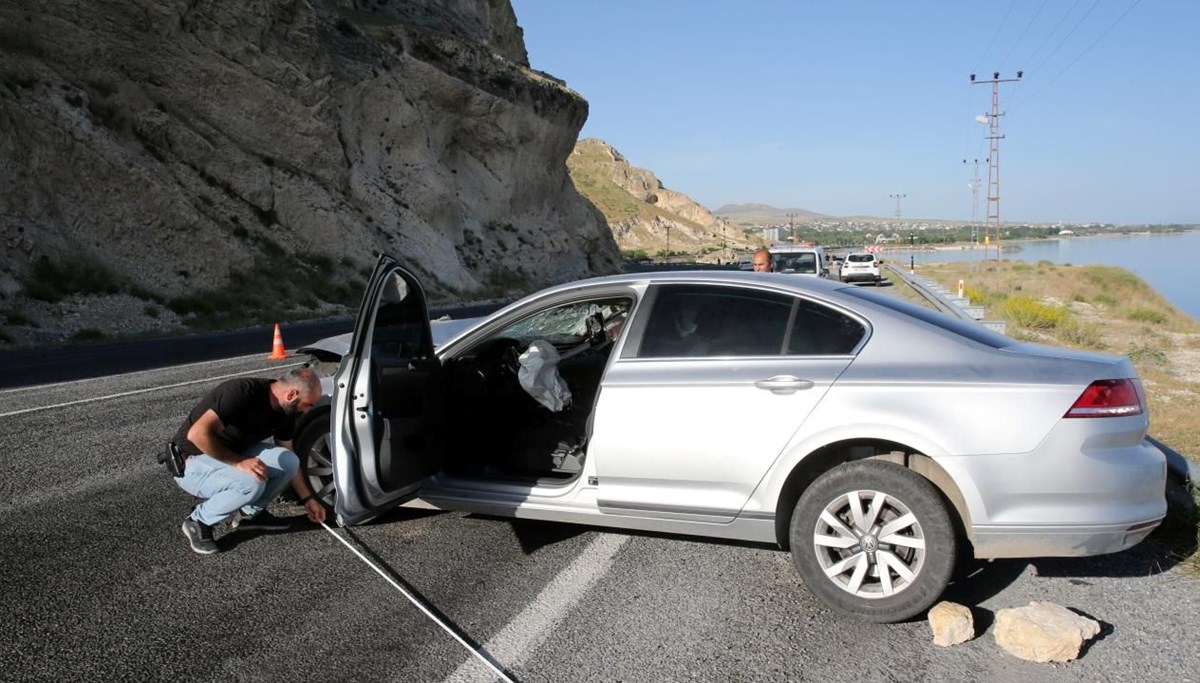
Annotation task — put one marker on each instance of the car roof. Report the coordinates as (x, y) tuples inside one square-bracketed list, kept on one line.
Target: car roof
[(792, 248), (732, 277)]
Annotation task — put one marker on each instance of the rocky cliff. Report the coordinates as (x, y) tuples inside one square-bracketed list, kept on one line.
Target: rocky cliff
[(645, 216), (197, 158)]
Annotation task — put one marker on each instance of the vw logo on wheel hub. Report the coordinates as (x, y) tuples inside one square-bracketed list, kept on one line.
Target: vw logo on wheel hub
[(869, 544)]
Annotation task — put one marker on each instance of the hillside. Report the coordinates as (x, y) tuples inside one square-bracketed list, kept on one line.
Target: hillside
[(643, 214), (764, 214), (177, 165)]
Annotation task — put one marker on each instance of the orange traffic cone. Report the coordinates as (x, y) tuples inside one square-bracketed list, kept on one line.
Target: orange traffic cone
[(277, 350)]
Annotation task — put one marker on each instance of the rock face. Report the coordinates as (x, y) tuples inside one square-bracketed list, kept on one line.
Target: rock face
[(952, 623), (1043, 632), (640, 211), (179, 147)]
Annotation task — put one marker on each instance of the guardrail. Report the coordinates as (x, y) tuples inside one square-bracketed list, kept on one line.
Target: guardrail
[(945, 301)]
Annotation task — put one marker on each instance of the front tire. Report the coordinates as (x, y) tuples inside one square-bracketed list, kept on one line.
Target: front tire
[(873, 540), (316, 460)]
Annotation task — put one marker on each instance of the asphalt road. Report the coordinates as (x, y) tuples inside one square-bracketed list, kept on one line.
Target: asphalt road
[(99, 584)]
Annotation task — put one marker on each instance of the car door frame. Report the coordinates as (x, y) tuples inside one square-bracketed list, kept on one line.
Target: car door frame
[(362, 494)]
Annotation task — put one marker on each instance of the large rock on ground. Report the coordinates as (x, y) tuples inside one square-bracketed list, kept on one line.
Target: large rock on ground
[(1043, 632), (186, 145), (952, 623)]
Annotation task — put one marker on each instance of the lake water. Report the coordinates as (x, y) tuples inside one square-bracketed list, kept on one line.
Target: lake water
[(1164, 261)]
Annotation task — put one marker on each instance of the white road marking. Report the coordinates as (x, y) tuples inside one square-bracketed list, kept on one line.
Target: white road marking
[(144, 391), (518, 640)]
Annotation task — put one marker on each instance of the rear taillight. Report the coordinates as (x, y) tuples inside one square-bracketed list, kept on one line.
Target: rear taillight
[(1109, 398)]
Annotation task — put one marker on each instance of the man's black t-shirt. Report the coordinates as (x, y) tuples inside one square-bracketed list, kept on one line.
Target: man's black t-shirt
[(244, 406)]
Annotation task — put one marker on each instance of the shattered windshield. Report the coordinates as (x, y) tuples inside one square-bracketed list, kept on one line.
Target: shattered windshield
[(567, 324)]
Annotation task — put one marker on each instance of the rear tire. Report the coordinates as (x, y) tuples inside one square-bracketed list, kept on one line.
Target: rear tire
[(873, 540), (316, 460)]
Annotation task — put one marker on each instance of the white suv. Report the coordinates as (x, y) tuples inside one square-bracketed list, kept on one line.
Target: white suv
[(861, 267)]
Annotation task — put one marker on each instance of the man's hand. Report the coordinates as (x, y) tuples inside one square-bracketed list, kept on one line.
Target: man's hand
[(254, 467), (314, 510)]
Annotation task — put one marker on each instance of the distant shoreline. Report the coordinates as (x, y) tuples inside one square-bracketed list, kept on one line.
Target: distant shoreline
[(1014, 244)]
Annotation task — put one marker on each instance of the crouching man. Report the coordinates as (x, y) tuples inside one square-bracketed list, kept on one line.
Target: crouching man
[(230, 465)]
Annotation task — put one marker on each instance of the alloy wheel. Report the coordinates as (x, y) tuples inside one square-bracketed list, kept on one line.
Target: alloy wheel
[(869, 544)]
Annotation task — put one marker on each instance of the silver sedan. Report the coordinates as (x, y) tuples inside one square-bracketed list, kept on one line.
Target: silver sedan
[(875, 439)]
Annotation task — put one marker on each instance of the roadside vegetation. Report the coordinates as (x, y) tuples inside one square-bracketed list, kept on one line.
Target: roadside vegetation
[(1109, 310), (257, 295)]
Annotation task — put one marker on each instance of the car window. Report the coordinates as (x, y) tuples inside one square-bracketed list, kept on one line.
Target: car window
[(693, 321), (400, 323), (567, 325), (822, 331), (860, 258), (805, 263)]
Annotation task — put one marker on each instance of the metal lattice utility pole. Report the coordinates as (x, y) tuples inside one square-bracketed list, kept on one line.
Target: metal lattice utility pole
[(974, 202), (897, 197), (993, 121)]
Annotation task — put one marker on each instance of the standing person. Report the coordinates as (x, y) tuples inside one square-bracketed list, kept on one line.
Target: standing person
[(763, 262), (231, 466)]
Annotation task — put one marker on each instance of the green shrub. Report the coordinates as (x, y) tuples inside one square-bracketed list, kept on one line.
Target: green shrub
[(18, 318), (151, 310), (6, 338), (983, 297), (1151, 356), (1021, 267), (1027, 312), (52, 282), (1106, 299), (1083, 335), (85, 334), (1111, 277), (1146, 315)]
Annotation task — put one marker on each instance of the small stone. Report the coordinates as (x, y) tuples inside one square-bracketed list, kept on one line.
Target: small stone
[(952, 623), (1043, 632)]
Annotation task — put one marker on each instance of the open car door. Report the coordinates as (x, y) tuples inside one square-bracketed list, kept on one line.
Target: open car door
[(386, 399)]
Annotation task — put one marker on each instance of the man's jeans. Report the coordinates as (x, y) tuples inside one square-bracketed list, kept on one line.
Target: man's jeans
[(228, 488)]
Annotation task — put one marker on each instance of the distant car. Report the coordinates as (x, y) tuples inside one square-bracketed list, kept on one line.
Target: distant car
[(745, 264), (861, 267), (799, 260), (873, 437)]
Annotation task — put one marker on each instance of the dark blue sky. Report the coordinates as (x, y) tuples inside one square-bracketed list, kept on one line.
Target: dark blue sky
[(834, 106)]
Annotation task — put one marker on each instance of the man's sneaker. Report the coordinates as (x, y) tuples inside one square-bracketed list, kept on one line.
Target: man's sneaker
[(263, 521), (200, 536)]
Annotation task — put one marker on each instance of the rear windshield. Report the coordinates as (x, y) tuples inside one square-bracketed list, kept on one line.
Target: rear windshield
[(973, 331), (805, 262), (860, 258)]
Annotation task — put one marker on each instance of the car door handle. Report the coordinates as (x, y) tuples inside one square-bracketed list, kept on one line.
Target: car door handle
[(784, 384)]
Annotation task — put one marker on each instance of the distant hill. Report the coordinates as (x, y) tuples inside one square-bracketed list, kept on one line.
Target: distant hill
[(643, 215), (764, 213)]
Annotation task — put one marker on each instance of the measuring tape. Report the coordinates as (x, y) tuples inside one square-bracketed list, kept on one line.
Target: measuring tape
[(482, 656)]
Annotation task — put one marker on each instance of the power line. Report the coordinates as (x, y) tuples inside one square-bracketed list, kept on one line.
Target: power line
[(1038, 65), (1050, 35), (1080, 56), (1036, 14), (995, 35), (1066, 37)]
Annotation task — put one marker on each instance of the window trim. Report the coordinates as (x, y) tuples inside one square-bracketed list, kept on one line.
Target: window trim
[(632, 347)]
